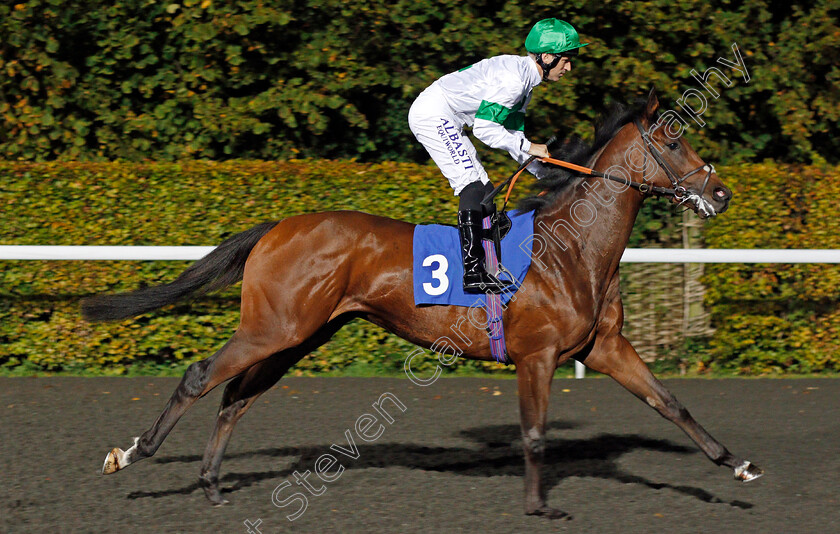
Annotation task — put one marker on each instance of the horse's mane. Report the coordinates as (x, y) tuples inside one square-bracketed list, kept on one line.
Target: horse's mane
[(575, 150)]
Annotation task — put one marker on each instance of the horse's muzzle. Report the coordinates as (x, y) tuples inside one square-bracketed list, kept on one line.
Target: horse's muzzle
[(722, 195)]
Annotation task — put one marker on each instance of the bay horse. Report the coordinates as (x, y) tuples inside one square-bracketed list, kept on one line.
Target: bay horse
[(306, 276)]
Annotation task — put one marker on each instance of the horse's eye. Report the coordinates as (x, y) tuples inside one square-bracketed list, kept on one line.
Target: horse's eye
[(673, 146)]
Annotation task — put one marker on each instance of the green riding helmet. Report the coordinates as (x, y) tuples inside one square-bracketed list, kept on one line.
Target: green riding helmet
[(553, 36)]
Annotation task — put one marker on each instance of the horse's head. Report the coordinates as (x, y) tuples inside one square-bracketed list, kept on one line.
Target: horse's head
[(677, 164)]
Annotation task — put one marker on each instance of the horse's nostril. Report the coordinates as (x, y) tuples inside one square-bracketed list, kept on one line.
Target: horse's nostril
[(722, 193)]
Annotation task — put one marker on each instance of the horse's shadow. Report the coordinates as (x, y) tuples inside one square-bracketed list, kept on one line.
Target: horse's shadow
[(499, 453)]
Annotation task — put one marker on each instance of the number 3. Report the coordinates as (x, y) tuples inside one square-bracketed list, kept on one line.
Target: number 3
[(437, 274)]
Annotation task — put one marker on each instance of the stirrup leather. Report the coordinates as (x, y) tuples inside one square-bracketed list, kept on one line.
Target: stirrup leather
[(476, 278)]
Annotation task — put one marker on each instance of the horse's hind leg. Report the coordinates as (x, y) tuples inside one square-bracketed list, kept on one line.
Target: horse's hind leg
[(201, 377), (240, 394), (616, 357)]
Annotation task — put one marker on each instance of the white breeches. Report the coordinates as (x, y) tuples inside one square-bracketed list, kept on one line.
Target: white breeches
[(435, 125)]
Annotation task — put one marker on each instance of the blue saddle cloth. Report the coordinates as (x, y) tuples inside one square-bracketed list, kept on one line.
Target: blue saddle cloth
[(439, 269)]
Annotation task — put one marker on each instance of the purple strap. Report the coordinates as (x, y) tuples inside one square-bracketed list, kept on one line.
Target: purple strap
[(495, 327)]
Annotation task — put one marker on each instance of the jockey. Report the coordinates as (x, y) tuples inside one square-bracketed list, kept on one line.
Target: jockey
[(491, 96)]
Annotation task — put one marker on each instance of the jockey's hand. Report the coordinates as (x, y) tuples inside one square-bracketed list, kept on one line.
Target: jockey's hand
[(539, 150)]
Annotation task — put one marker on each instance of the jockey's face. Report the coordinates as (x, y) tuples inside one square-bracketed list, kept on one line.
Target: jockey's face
[(564, 66)]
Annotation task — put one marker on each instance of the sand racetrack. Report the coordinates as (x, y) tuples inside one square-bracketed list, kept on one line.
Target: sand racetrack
[(450, 463)]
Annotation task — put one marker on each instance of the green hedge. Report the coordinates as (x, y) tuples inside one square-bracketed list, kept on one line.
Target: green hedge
[(106, 80), (174, 204), (198, 203), (768, 318), (776, 318)]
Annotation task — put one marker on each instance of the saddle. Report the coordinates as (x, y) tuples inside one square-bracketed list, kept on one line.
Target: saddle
[(438, 263)]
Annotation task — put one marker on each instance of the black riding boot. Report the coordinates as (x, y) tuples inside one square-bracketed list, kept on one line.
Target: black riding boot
[(476, 278)]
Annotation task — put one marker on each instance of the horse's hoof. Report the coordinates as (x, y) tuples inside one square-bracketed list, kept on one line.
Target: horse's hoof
[(215, 496), (747, 472), (112, 461), (550, 513), (210, 485)]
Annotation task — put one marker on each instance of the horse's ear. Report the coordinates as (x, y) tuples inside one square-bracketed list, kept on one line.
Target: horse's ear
[(652, 103)]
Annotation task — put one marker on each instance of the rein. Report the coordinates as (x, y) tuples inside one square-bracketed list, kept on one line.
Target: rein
[(642, 187), (677, 191)]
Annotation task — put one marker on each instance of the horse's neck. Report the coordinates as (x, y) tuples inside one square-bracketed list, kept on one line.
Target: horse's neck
[(590, 225)]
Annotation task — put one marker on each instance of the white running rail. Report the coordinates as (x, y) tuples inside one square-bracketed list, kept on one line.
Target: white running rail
[(25, 252), (631, 255)]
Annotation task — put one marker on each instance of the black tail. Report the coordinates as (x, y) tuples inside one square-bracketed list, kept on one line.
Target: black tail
[(221, 268)]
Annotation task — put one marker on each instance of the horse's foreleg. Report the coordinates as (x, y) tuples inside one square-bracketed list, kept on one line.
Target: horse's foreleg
[(533, 377), (616, 357), (240, 394), (198, 380)]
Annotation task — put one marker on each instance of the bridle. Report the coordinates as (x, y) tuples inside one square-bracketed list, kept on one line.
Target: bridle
[(679, 191)]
